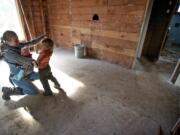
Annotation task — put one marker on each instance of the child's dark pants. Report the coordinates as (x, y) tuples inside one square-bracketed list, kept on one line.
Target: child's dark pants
[(45, 75)]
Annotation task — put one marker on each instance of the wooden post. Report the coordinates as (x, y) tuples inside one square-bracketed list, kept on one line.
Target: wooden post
[(176, 129), (30, 30), (176, 72)]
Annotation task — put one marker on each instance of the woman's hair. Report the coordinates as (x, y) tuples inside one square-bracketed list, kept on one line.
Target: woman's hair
[(8, 35), (48, 42)]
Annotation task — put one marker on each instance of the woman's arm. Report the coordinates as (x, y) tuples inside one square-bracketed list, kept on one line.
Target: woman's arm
[(15, 58), (32, 42)]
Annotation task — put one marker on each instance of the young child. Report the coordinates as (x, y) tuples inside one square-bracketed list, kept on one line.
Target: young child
[(44, 68)]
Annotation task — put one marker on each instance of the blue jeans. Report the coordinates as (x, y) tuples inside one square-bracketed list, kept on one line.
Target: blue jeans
[(26, 84)]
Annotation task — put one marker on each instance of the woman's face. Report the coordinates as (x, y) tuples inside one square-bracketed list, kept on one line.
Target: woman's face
[(14, 41)]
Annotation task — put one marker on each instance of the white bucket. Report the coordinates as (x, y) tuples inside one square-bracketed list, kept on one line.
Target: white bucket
[(79, 51)]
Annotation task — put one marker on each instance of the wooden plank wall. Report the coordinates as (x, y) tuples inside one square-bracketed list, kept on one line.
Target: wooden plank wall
[(59, 16), (113, 38), (34, 15), (37, 14)]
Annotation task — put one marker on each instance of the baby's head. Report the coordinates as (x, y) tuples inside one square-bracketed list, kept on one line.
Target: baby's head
[(47, 43), (11, 38)]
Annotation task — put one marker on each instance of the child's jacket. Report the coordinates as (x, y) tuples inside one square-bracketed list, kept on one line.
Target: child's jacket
[(44, 57)]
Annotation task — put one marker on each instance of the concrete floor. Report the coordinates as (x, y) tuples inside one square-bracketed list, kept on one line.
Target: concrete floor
[(103, 99)]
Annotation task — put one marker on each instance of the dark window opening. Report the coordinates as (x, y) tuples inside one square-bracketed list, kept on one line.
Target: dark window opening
[(95, 17)]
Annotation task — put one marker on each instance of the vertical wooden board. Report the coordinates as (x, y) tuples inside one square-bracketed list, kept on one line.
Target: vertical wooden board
[(116, 43), (89, 3), (126, 2), (90, 10), (127, 9), (123, 60)]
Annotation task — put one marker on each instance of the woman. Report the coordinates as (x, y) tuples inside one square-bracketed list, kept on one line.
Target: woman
[(20, 67)]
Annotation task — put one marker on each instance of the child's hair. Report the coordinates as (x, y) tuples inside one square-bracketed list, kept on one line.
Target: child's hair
[(8, 35), (48, 42)]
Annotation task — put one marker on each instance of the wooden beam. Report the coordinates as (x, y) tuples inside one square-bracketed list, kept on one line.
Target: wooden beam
[(176, 72)]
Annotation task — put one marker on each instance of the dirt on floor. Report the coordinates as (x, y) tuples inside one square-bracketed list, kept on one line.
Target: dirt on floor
[(102, 99)]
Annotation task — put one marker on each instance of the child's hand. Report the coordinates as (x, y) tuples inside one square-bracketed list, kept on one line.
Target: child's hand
[(35, 64)]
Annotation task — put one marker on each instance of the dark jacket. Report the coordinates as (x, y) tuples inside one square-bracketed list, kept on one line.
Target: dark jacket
[(16, 62)]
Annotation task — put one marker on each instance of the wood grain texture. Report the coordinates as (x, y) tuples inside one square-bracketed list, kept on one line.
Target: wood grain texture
[(114, 37), (34, 15)]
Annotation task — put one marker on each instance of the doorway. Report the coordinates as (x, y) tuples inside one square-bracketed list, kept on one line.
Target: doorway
[(161, 14), (10, 18), (171, 49)]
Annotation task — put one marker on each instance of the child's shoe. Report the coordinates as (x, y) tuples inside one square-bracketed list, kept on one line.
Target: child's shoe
[(57, 86), (48, 93)]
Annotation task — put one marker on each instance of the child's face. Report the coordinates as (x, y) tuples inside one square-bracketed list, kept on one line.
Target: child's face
[(14, 41), (44, 46)]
